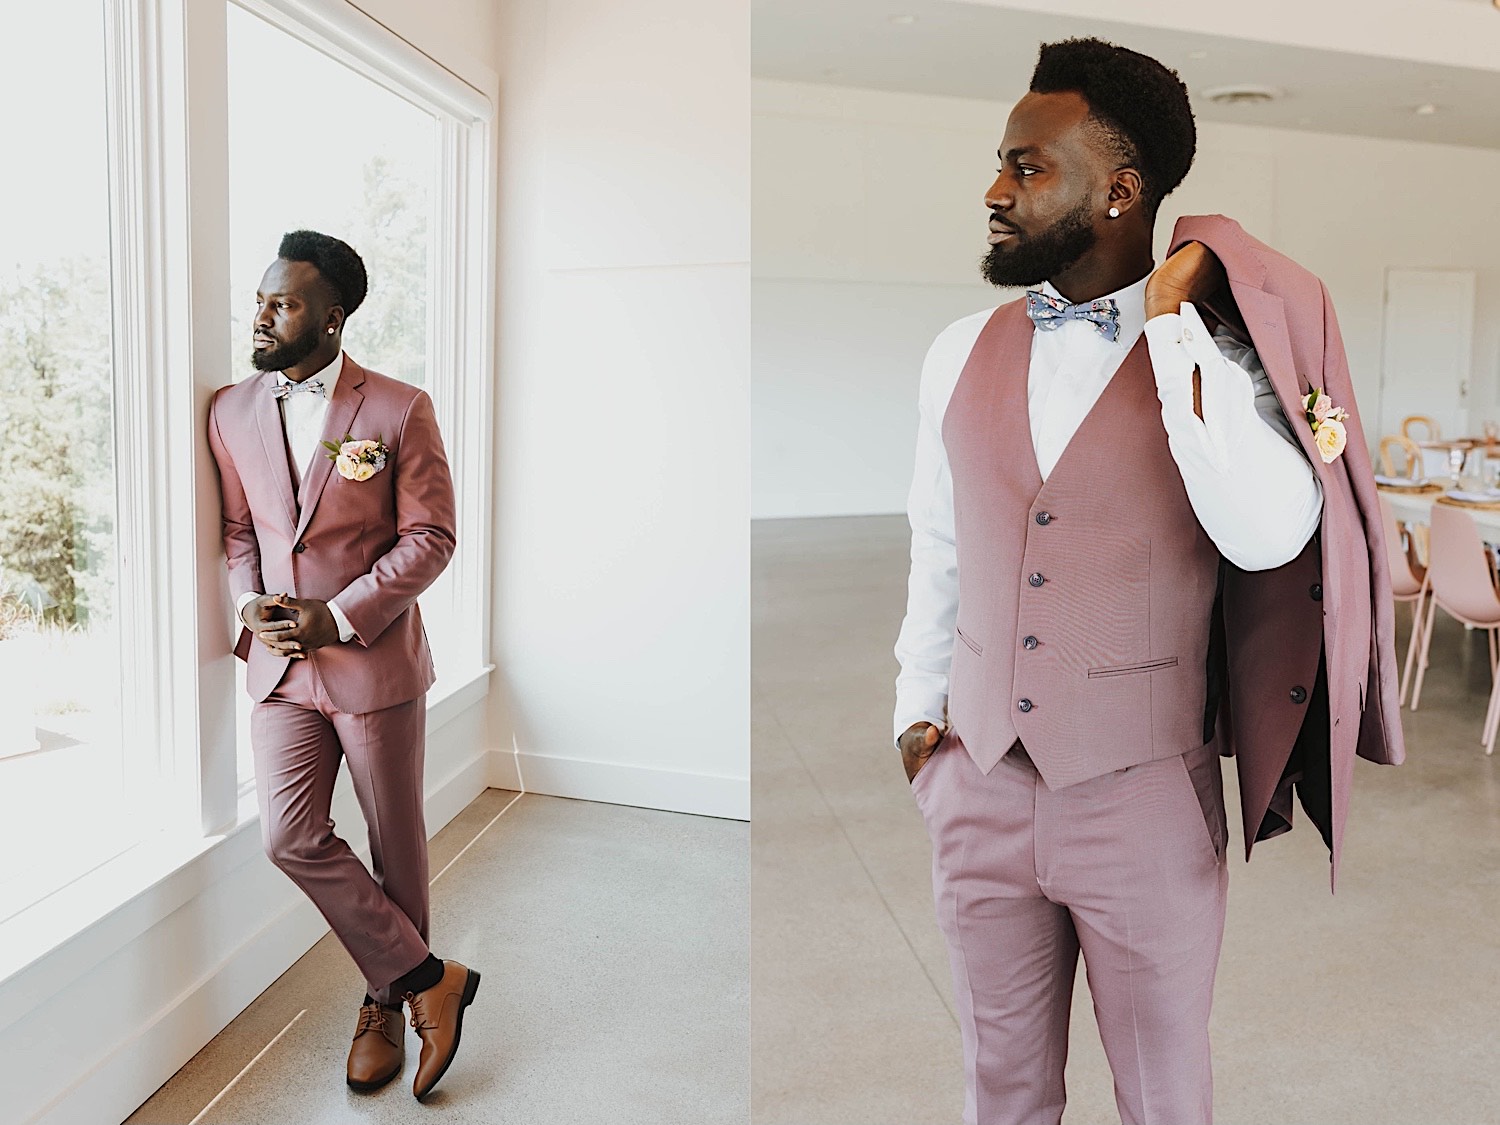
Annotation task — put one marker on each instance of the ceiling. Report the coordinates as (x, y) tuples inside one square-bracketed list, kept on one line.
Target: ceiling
[(975, 50)]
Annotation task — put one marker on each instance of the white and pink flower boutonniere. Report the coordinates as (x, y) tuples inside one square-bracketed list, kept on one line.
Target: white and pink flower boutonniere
[(357, 459), (1327, 422)]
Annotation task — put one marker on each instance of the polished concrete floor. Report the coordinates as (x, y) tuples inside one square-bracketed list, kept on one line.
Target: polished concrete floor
[(613, 947), (1377, 1006)]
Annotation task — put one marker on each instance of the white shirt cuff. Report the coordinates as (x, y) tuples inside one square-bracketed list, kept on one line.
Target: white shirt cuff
[(239, 607), (926, 707), (346, 630)]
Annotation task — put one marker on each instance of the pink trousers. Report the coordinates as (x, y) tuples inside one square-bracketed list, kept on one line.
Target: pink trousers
[(1127, 868), (298, 738)]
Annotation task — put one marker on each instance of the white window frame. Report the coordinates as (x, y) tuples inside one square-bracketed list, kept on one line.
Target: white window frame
[(167, 109)]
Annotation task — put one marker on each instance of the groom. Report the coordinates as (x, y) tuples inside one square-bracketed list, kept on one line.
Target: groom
[(338, 513), (1133, 549)]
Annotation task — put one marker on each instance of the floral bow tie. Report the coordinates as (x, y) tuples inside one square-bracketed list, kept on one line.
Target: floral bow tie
[(1048, 313), (311, 386)]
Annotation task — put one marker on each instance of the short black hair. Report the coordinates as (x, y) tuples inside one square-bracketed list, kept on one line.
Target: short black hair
[(1141, 106), (335, 259)]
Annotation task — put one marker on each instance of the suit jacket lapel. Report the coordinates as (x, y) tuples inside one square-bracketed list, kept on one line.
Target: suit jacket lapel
[(273, 441), (1265, 317), (347, 398)]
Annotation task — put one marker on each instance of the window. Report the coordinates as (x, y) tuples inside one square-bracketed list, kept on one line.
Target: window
[(60, 736)]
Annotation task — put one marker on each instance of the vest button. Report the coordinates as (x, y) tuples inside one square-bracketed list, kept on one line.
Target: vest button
[(1024, 705), (1029, 642), (1036, 580), (1044, 518), (1316, 592), (1299, 694), (299, 548)]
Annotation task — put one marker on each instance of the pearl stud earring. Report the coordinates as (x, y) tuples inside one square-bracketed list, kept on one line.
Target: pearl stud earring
[(1114, 212)]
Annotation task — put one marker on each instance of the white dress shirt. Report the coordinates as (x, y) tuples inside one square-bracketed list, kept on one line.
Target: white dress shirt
[(1248, 481), (303, 413)]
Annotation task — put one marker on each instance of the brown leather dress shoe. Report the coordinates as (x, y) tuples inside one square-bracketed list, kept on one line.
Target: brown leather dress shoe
[(379, 1049), (438, 1015)]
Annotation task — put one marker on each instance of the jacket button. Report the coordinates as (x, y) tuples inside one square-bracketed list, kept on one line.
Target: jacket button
[(1024, 705), (1299, 694), (1029, 642), (1036, 580), (299, 548), (1044, 518), (1316, 592)]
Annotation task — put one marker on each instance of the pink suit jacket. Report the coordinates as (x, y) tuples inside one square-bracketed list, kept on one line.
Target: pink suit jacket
[(373, 545), (1327, 617)]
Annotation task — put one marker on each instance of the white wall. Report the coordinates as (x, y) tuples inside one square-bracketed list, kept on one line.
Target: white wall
[(621, 627), (869, 221)]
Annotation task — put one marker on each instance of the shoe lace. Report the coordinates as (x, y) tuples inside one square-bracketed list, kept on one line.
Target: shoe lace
[(418, 1012), (371, 1018)]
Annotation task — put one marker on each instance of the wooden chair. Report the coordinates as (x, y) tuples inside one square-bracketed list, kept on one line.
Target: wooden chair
[(1430, 430), (1400, 457), (1460, 577)]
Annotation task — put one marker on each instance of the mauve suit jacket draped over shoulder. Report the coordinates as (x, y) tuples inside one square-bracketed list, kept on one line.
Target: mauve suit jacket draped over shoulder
[(1325, 621), (374, 545)]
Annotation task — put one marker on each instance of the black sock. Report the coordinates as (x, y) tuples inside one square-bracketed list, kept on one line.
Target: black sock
[(420, 979), (368, 999)]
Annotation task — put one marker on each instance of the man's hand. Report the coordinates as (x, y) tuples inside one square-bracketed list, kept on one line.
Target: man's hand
[(289, 626), (1193, 274), (917, 743)]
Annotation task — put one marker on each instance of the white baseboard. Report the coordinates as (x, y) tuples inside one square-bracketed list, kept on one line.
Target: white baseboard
[(134, 1069), (138, 1067), (702, 794)]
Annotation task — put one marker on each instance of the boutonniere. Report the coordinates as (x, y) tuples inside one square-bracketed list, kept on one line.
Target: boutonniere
[(1327, 422), (357, 460)]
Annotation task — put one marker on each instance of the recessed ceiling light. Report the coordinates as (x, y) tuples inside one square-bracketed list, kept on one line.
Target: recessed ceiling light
[(1427, 109), (1242, 95), (904, 21)]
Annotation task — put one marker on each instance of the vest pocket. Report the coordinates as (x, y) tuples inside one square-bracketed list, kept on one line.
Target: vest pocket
[(976, 649), (1131, 669)]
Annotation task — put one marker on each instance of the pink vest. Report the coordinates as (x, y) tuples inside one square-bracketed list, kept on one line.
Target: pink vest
[(1085, 603)]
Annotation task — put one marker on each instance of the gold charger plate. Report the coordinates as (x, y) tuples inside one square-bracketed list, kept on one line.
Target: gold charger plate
[(1410, 489), (1483, 506)]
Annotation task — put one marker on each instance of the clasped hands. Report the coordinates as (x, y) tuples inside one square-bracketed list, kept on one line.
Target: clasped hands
[(289, 626)]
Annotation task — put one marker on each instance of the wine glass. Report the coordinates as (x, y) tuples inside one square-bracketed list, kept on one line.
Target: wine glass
[(1455, 462)]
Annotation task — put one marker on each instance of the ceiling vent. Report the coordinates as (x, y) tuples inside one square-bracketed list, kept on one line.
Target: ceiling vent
[(1242, 95)]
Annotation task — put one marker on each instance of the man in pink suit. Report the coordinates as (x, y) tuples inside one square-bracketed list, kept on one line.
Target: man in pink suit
[(1135, 548), (338, 513)]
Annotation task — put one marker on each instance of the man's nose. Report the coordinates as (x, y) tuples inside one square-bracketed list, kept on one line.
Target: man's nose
[(263, 317), (999, 197)]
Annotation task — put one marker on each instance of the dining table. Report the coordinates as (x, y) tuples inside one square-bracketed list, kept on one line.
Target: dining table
[(1413, 507)]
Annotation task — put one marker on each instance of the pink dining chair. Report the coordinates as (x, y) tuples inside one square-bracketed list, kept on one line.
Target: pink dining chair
[(1461, 581), (1408, 583)]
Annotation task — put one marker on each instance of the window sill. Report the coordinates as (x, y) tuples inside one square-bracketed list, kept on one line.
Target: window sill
[(82, 923)]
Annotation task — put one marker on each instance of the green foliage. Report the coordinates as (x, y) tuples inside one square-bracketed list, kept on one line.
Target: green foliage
[(389, 332), (57, 457)]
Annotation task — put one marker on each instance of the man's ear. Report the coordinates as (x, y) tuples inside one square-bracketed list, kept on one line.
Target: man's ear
[(1125, 190)]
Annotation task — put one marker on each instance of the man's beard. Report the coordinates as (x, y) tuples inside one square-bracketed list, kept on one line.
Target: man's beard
[(1028, 259), (279, 357)]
